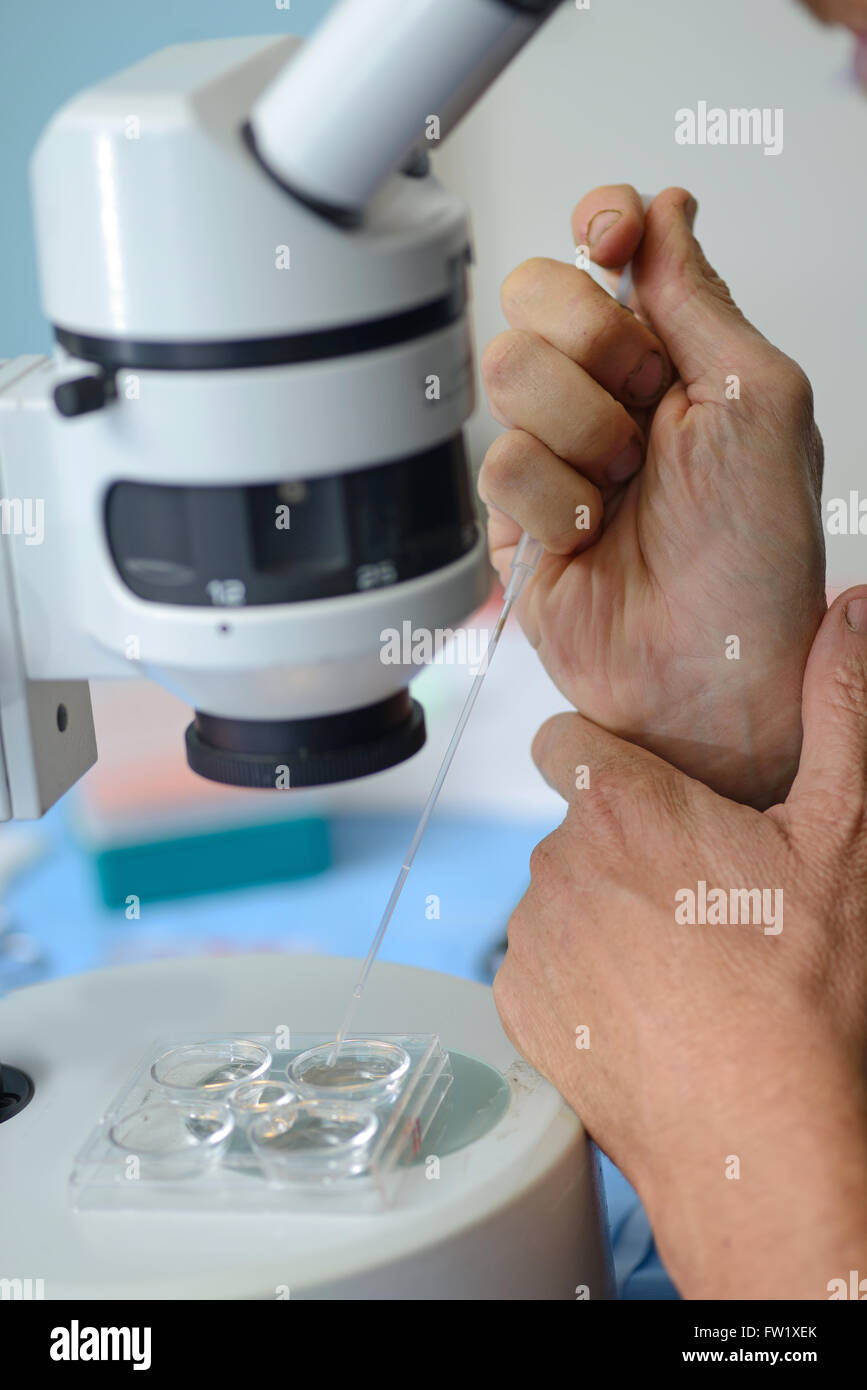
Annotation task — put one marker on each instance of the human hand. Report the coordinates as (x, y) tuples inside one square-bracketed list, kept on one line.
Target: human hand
[(722, 1067), (852, 14), (679, 607)]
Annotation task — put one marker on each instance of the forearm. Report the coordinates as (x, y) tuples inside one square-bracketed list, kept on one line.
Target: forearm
[(773, 1206)]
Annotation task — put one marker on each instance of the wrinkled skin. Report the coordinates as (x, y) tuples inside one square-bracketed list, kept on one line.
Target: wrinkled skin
[(707, 1045)]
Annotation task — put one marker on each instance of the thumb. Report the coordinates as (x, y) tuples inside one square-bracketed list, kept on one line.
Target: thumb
[(831, 785), (688, 305)]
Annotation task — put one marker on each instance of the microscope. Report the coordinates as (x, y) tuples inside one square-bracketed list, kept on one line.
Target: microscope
[(243, 462), (246, 455)]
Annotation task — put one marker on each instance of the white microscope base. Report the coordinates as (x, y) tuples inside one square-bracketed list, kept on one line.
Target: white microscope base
[(514, 1215)]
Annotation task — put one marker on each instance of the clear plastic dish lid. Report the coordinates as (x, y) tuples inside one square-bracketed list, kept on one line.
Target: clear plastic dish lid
[(364, 1069), (167, 1139), (314, 1138), (262, 1096), (245, 1122), (209, 1069)]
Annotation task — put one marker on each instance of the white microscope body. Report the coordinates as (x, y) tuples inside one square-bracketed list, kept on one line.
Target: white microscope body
[(248, 446), (217, 516)]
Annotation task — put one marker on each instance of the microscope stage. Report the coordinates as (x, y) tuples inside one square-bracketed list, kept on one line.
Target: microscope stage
[(514, 1213)]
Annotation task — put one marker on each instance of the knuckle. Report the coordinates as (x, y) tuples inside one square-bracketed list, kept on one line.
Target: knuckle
[(607, 432), (603, 818), (847, 691), (627, 796), (598, 329), (591, 325), (522, 283), (551, 886), (504, 465), (710, 279), (800, 388), (597, 822), (542, 859), (790, 383), (573, 525), (504, 357)]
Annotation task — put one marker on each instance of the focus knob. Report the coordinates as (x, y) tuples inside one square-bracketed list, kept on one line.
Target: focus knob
[(82, 394)]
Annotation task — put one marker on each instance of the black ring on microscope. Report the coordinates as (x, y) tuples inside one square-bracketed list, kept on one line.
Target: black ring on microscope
[(341, 216), (115, 354), (317, 751), (532, 6)]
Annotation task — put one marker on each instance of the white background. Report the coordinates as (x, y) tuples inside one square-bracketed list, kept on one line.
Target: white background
[(592, 100)]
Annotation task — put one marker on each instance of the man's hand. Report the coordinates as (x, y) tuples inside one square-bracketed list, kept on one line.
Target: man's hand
[(852, 13), (677, 601), (713, 1039)]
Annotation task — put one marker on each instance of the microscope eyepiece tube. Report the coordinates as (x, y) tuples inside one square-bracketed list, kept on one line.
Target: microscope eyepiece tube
[(375, 78)]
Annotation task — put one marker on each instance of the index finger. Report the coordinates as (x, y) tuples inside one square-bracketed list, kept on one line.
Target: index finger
[(568, 745)]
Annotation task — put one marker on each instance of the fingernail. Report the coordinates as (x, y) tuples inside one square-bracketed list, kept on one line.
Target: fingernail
[(645, 381), (626, 463), (856, 615), (690, 209), (600, 223)]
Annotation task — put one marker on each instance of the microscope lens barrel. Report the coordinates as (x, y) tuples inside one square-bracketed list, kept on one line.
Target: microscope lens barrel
[(389, 71)]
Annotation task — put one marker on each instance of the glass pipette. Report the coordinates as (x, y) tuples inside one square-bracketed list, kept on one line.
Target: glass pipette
[(524, 563)]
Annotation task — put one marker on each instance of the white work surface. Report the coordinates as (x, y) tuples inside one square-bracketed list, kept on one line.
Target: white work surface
[(512, 1212)]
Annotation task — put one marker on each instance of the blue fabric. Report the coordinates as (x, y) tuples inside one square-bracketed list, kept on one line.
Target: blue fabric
[(638, 1270)]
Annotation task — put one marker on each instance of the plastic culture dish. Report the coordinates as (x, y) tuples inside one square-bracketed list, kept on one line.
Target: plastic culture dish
[(364, 1070), (318, 1140), (262, 1096), (169, 1140), (209, 1070), (264, 1129)]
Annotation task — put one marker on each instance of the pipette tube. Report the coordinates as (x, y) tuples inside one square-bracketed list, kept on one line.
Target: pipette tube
[(524, 563)]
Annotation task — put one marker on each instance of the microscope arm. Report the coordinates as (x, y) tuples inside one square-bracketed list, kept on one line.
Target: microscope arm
[(346, 111)]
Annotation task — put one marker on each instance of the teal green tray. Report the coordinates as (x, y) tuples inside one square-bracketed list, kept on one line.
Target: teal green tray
[(213, 861)]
